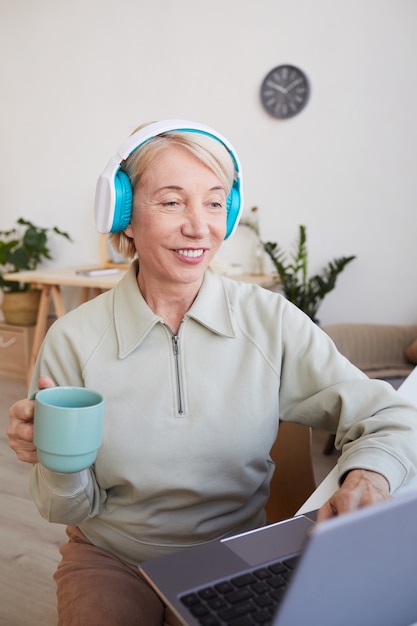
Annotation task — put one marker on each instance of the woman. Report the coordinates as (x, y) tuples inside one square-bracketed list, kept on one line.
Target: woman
[(196, 370)]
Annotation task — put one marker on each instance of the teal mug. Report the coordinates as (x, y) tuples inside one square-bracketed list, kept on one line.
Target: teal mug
[(68, 427)]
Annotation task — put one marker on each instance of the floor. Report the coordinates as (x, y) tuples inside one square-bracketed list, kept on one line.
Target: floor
[(29, 545)]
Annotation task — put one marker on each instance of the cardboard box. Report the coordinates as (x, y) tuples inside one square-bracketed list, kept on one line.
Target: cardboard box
[(15, 349)]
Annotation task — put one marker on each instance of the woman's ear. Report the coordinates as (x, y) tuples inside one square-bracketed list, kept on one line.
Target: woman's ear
[(128, 231)]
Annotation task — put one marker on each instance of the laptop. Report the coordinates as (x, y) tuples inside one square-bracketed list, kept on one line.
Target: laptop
[(355, 569)]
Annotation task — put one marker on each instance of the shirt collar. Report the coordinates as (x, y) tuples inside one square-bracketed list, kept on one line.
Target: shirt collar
[(134, 319), (212, 306)]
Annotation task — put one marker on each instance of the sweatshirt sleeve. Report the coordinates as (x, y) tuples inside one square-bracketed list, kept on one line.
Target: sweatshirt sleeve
[(65, 498), (376, 429)]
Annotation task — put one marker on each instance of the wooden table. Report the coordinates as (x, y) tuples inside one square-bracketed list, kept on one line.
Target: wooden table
[(50, 282)]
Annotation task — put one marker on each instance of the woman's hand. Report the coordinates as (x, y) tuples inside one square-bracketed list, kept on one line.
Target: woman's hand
[(360, 488), (20, 430)]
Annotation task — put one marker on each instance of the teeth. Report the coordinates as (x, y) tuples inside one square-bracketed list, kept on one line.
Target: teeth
[(191, 253)]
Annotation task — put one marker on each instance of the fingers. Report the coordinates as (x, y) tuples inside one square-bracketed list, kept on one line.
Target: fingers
[(20, 429), (24, 450), (361, 488), (326, 512), (341, 502), (44, 382), (21, 411)]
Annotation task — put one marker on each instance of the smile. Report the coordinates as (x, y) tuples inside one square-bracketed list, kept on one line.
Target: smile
[(191, 253)]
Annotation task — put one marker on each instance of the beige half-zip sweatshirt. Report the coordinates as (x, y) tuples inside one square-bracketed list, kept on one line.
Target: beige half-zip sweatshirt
[(190, 420)]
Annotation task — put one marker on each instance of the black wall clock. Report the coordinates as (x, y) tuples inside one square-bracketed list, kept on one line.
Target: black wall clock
[(285, 91)]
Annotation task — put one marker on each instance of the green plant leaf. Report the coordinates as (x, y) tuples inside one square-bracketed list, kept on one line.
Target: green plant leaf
[(306, 293), (23, 248)]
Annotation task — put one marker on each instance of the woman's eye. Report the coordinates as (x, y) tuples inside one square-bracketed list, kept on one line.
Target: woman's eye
[(216, 205), (170, 204)]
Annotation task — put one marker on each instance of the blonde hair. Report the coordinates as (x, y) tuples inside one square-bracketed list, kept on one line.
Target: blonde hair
[(209, 150)]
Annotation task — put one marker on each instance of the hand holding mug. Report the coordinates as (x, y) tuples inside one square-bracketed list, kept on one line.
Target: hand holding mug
[(20, 429)]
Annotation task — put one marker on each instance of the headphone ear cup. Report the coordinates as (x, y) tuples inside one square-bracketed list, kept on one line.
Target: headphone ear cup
[(233, 203), (123, 202)]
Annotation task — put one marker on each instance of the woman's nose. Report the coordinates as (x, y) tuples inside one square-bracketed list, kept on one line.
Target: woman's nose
[(195, 222)]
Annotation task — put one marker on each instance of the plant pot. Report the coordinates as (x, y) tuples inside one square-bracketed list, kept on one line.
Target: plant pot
[(21, 307)]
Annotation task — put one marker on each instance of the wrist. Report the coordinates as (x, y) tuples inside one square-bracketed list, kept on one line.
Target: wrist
[(375, 478)]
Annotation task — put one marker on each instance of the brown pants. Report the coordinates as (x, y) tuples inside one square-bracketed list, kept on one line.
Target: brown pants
[(98, 589)]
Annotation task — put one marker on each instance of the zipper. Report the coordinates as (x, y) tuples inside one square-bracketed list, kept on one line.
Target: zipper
[(180, 394)]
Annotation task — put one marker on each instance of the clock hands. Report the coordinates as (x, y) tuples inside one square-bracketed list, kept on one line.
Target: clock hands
[(284, 90), (294, 84), (275, 85)]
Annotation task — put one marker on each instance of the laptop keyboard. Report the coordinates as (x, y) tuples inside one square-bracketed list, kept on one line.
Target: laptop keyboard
[(251, 599)]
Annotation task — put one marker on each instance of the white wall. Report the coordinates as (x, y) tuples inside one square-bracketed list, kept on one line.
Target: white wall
[(78, 76)]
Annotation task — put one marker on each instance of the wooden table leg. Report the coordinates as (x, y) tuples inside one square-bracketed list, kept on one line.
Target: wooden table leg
[(40, 328), (57, 300), (84, 294), (42, 319)]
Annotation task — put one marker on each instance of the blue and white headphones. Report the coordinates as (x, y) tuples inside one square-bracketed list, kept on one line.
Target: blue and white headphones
[(113, 201)]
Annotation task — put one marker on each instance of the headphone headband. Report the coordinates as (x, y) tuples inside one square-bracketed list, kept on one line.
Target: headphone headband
[(113, 201)]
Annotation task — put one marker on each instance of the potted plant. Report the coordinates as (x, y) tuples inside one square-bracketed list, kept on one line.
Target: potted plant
[(23, 248), (305, 292)]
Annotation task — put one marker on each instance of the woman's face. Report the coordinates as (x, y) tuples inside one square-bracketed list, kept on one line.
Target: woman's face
[(178, 218)]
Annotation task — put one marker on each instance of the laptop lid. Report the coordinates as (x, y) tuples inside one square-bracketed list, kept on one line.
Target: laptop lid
[(359, 568)]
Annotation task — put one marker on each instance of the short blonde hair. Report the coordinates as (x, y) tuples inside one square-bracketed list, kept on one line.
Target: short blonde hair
[(210, 151)]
